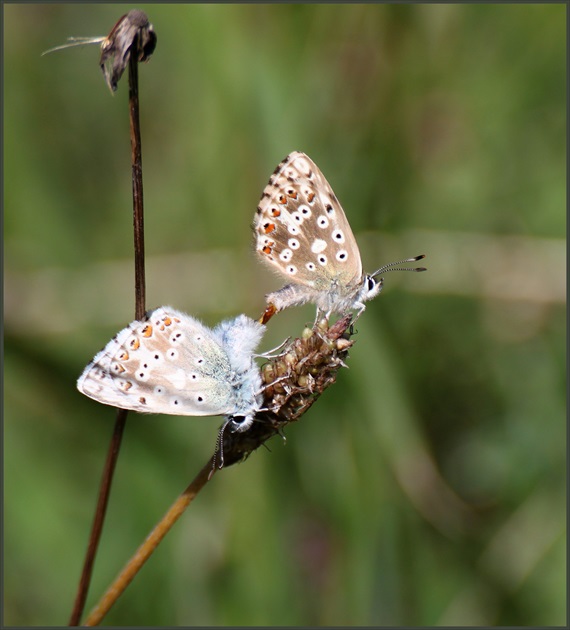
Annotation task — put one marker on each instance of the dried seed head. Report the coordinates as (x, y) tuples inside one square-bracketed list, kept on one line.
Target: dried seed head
[(293, 381), (133, 33)]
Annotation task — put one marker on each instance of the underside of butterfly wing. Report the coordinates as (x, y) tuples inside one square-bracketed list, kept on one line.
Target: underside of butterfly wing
[(169, 363), (303, 234)]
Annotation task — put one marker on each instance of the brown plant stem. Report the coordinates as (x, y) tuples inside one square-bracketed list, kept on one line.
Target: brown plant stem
[(140, 308), (138, 206), (98, 519), (149, 545)]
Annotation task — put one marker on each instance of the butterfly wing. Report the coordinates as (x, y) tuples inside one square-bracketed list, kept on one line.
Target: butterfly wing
[(302, 231), (168, 363)]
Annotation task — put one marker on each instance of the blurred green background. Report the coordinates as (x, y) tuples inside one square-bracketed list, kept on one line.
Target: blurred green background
[(427, 487)]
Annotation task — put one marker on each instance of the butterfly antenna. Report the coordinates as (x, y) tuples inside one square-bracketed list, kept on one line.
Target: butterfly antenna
[(392, 266), (218, 461)]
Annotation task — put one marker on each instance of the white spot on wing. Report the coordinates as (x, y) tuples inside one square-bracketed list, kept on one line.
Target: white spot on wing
[(177, 378), (318, 246)]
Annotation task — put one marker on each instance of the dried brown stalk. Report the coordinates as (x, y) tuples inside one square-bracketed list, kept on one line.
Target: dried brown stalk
[(131, 40)]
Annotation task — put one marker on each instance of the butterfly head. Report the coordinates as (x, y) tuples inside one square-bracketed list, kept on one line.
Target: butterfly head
[(239, 424), (371, 287)]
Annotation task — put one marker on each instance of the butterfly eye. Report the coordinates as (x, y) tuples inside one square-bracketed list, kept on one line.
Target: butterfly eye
[(237, 422), (371, 283)]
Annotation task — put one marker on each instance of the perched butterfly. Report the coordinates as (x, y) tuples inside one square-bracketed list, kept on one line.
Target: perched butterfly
[(302, 233), (171, 363)]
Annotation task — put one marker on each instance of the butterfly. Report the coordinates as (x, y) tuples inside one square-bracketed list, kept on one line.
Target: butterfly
[(171, 363), (302, 232)]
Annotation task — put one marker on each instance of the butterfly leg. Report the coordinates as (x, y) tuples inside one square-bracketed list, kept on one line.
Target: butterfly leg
[(269, 354), (361, 308), (320, 316), (285, 377)]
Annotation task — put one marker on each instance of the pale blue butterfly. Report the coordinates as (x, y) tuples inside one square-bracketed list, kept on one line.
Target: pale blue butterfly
[(172, 363)]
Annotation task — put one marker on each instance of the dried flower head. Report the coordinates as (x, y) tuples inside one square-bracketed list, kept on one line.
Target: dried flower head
[(132, 33), (293, 381)]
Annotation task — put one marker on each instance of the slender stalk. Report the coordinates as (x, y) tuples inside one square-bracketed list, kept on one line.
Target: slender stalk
[(138, 207), (140, 308), (152, 541), (100, 511)]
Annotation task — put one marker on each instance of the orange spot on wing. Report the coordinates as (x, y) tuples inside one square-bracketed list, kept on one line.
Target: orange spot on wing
[(266, 250), (275, 212), (282, 199), (310, 197), (147, 331), (268, 228), (135, 344)]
